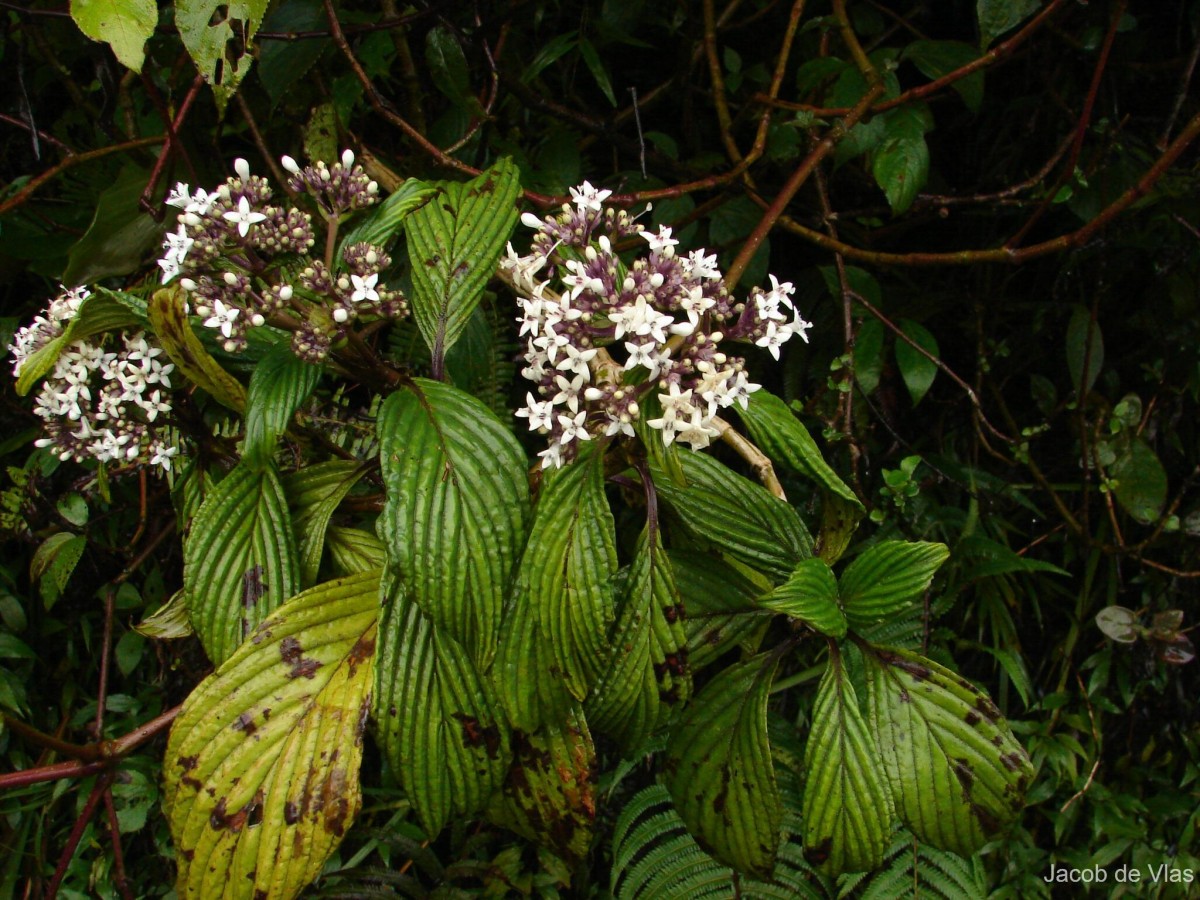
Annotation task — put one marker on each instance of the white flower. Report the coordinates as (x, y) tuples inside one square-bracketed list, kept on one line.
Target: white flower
[(698, 265), (576, 361), (364, 288), (162, 454), (800, 326), (222, 317), (523, 268), (242, 168), (776, 336), (243, 216), (568, 391), (641, 355), (290, 165), (573, 427), (539, 412), (698, 431), (661, 242), (179, 196), (695, 304), (552, 456), (586, 197), (618, 425)]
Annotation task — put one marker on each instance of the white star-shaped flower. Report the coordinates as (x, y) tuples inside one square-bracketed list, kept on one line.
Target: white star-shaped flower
[(223, 318), (243, 216), (364, 288), (586, 197)]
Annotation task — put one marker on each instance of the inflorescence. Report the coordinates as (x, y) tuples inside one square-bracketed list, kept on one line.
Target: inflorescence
[(105, 405), (665, 315), (244, 259)]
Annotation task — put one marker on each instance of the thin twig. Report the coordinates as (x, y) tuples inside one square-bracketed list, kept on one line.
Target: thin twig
[(81, 823), (1095, 737), (750, 453)]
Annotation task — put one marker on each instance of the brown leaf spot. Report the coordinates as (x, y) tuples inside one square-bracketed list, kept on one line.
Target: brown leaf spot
[(291, 813), (187, 763), (973, 718), (488, 187), (364, 712), (292, 654), (477, 735), (363, 649), (189, 781), (962, 771), (987, 821), (817, 855), (988, 708), (1012, 761), (245, 722)]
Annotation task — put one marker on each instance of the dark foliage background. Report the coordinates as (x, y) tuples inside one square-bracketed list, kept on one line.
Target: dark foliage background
[(1034, 227)]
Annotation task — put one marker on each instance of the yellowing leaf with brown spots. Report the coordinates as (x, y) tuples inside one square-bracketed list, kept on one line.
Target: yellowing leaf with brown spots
[(261, 772)]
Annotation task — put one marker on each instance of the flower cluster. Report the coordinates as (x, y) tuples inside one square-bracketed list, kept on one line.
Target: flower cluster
[(605, 338), (244, 259), (105, 405)]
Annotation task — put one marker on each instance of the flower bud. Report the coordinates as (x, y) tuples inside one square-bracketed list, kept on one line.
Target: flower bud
[(290, 164), (242, 168)]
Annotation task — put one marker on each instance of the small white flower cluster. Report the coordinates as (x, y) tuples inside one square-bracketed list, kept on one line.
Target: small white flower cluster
[(99, 404), (244, 258), (663, 314)]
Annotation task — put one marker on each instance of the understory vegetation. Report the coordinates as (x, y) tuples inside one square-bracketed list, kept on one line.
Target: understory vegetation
[(622, 449)]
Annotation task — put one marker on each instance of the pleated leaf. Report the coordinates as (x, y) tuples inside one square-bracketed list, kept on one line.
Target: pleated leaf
[(719, 769), (439, 724), (261, 777), (314, 493), (239, 558), (780, 435), (847, 807), (740, 517), (382, 223), (280, 383), (457, 499), (354, 550), (454, 241), (181, 344), (956, 772), (564, 581), (549, 793), (718, 601), (887, 579), (811, 595), (646, 673)]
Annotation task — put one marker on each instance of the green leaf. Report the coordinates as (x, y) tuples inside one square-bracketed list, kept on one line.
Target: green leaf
[(887, 578), (283, 64), (261, 776), (73, 508), (811, 595), (382, 224), (1119, 624), (98, 313), (53, 562), (549, 793), (457, 500), (718, 603), (936, 59), (847, 807), (563, 579), (12, 647), (719, 770), (448, 68), (1084, 343), (917, 369), (868, 355), (646, 672), (239, 557), (125, 25), (900, 167), (354, 550), (185, 350), (454, 241), (222, 55), (169, 621), (999, 16), (783, 438), (956, 772), (314, 492), (440, 726), (1141, 482), (128, 651), (120, 233), (595, 64), (745, 520), (280, 383)]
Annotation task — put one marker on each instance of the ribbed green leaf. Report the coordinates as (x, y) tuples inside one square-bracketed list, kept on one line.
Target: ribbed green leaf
[(314, 492), (847, 807), (96, 314), (454, 241), (381, 225), (956, 772), (181, 344), (549, 793), (280, 383), (439, 724), (646, 672), (239, 558), (354, 550), (739, 516), (810, 594), (719, 769), (457, 499), (261, 772), (563, 579), (781, 436), (718, 602), (886, 578), (221, 55)]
